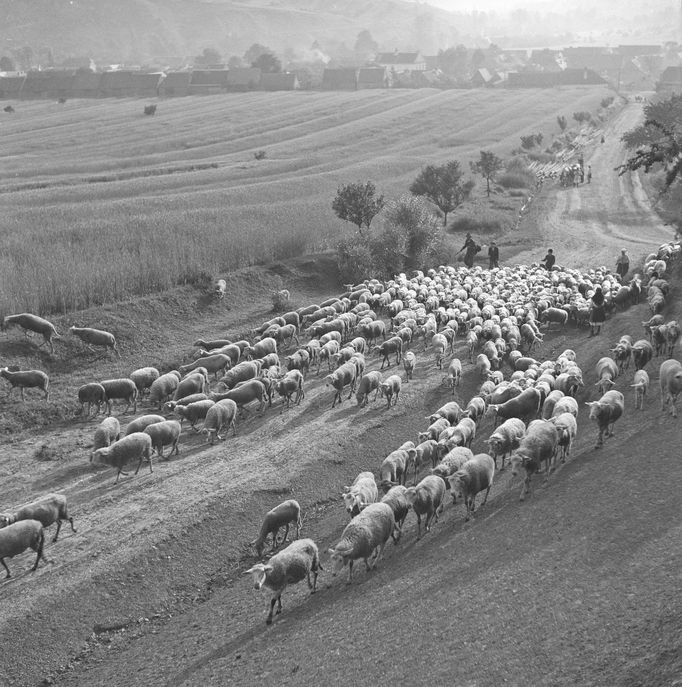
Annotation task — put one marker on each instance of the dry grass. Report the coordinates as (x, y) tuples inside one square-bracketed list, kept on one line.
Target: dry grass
[(99, 202)]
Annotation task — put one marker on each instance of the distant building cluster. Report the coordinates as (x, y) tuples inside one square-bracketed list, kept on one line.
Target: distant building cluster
[(629, 67)]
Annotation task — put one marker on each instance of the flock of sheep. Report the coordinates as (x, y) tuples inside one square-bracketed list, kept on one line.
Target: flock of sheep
[(499, 314)]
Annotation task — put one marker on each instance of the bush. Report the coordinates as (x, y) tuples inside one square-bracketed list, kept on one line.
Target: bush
[(605, 102), (541, 157), (354, 259), (562, 122), (150, 109), (516, 180), (581, 117), (260, 154)]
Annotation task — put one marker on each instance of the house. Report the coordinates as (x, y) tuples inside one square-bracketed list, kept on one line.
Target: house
[(484, 78), (10, 86), (285, 81), (175, 84), (342, 79), (566, 77), (208, 81), (432, 62), (670, 81), (243, 79), (373, 77), (631, 51), (146, 85), (117, 84), (85, 84), (546, 60), (47, 84), (400, 62)]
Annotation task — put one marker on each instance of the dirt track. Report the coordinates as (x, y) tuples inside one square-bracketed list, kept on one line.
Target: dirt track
[(579, 585)]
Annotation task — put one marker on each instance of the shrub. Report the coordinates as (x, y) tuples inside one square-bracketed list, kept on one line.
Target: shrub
[(150, 109), (260, 154), (527, 142), (354, 258), (516, 180), (541, 157), (581, 117), (605, 102), (562, 122)]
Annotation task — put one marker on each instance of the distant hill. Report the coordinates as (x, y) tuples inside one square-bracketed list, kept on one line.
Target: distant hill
[(137, 31)]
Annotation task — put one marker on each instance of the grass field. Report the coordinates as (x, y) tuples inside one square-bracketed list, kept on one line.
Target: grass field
[(99, 202)]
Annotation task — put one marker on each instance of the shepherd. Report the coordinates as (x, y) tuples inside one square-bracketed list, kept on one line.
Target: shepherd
[(623, 264), (597, 311), (471, 249), (493, 254)]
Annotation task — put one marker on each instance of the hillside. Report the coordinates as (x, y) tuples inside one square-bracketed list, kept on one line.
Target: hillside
[(136, 31), (579, 585)]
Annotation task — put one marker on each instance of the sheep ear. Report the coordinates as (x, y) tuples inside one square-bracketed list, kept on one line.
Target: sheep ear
[(249, 571), (267, 568)]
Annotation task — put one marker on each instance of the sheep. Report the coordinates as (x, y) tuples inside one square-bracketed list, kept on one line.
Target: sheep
[(506, 438), (280, 516), (244, 393), (95, 337), (471, 342), (346, 375), (426, 452), (91, 393), (433, 431), (642, 353), (394, 468), (672, 335), (671, 384), (123, 389), (462, 434), (363, 537), (193, 412), (290, 384), (163, 434), (652, 322), (392, 345), (360, 494), (169, 406), (473, 477), (214, 363), (139, 424), (550, 401), (476, 408), (300, 360), (163, 388), (641, 385), (33, 323), (46, 510), (16, 538), (525, 406), (409, 363), (483, 365), (108, 431), (326, 352), (247, 369), (567, 428), (289, 566), (395, 498), (426, 499), (605, 412), (211, 344), (440, 344), (220, 288), (537, 446), (287, 331), (454, 375), (131, 447), (607, 371), (567, 404), (452, 462), (221, 415), (194, 383), (26, 379), (260, 348), (451, 411), (623, 352), (368, 383), (390, 389)]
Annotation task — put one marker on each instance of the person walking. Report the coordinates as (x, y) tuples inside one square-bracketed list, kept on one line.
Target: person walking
[(589, 174), (493, 255), (623, 264), (549, 260), (471, 249), (597, 311)]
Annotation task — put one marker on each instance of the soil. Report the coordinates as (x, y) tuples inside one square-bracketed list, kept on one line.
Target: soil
[(579, 585)]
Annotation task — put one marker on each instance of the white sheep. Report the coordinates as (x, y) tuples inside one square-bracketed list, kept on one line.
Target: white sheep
[(641, 385), (409, 363), (122, 389), (136, 446), (567, 428), (280, 516), (139, 424), (220, 288), (395, 498), (166, 433), (16, 538), (473, 477), (671, 384), (289, 566), (29, 322), (426, 499), (452, 462), (365, 537), (390, 388), (361, 493), (163, 388), (108, 431), (193, 412), (144, 377), (26, 379), (222, 415), (506, 438), (454, 375), (91, 393), (46, 510), (95, 337)]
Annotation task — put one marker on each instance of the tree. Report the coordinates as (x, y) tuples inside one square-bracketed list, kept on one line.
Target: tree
[(562, 122), (453, 61), (365, 46), (443, 186), (254, 52), (6, 64), (487, 166), (235, 62), (658, 140), (268, 63), (24, 57), (357, 203), (208, 57)]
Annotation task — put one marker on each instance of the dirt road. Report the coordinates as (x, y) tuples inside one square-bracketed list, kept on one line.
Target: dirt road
[(579, 585)]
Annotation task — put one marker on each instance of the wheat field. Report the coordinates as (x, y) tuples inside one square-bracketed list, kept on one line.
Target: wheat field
[(99, 202)]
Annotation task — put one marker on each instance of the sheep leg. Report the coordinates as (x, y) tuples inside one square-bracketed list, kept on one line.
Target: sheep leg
[(350, 571), (419, 526), (286, 533), (4, 565), (39, 550), (59, 526), (268, 620), (485, 499)]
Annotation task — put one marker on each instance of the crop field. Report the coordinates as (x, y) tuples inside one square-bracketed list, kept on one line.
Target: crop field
[(99, 202)]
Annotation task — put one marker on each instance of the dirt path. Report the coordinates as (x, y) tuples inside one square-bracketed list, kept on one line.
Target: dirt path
[(580, 585)]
